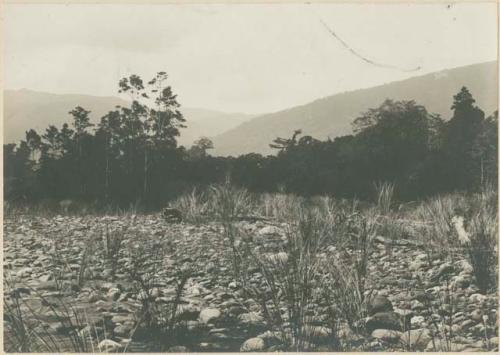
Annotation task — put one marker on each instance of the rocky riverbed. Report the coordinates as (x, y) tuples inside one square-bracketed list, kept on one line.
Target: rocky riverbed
[(414, 304)]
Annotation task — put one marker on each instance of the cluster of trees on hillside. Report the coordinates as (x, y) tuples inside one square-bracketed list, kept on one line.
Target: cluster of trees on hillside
[(132, 154)]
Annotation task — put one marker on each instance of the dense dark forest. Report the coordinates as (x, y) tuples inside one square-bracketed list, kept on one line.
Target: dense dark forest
[(132, 156)]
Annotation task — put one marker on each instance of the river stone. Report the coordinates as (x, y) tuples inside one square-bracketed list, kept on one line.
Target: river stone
[(113, 294), (123, 330), (416, 339), (476, 315), (270, 230), (384, 320), (251, 318), (178, 349), (188, 312), (317, 334), (93, 297), (24, 272), (379, 304), (417, 321), (108, 345), (444, 346), (121, 318), (253, 344), (390, 336), (209, 314)]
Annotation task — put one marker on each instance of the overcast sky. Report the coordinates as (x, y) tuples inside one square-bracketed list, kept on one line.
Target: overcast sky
[(240, 58)]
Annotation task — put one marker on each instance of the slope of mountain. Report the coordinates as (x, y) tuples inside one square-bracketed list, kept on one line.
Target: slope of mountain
[(26, 109), (208, 123), (332, 116)]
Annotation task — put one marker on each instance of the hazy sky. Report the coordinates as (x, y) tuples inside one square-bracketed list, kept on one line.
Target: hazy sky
[(240, 58)]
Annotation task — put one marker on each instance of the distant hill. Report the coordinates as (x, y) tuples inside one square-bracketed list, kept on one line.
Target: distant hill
[(209, 123), (332, 116), (26, 109)]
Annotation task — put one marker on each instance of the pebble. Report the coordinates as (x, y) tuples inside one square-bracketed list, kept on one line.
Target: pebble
[(215, 304)]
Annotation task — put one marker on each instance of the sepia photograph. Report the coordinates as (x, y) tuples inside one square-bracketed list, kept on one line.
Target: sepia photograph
[(250, 177)]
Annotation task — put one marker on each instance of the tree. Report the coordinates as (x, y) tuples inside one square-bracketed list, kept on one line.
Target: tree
[(461, 134), (395, 138), (34, 142), (81, 122), (485, 150), (153, 130), (199, 148), (283, 144)]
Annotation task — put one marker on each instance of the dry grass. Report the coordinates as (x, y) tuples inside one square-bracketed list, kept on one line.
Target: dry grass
[(292, 278), (482, 246), (195, 206), (26, 330)]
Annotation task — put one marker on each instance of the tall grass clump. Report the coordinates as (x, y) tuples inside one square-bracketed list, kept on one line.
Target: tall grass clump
[(392, 224), (158, 320), (195, 206), (291, 287), (229, 203), (385, 197), (27, 330), (113, 241), (278, 205), (348, 272), (143, 270), (465, 226), (437, 229), (481, 246)]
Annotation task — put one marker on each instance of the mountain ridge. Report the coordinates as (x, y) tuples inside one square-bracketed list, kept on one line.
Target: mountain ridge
[(25, 109), (331, 116)]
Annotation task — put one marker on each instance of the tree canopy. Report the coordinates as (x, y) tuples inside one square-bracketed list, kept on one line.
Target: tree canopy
[(131, 154)]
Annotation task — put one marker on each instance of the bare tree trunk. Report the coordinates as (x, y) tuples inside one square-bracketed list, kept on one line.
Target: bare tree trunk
[(145, 187), (482, 173), (106, 181)]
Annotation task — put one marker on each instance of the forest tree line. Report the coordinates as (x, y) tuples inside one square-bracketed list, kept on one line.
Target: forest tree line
[(132, 155)]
